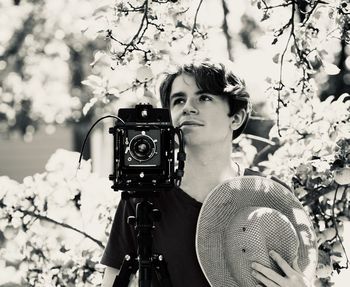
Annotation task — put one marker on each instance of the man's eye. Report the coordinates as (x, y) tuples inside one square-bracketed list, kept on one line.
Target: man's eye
[(178, 101), (205, 98)]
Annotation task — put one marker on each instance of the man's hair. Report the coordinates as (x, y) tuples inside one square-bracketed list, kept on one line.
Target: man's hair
[(216, 79)]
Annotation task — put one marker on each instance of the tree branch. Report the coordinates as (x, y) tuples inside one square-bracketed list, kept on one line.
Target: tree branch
[(135, 85), (311, 197), (226, 30), (194, 26), (43, 217), (313, 8), (18, 37), (299, 53), (337, 231), (133, 44), (276, 6), (260, 139), (280, 83)]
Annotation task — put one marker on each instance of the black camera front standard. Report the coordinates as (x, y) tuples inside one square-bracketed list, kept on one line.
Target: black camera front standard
[(143, 150)]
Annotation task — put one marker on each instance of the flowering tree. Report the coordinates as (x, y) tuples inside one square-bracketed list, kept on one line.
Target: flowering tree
[(54, 225), (309, 145)]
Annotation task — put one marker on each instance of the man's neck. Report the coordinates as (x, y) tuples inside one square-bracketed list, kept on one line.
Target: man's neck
[(206, 167)]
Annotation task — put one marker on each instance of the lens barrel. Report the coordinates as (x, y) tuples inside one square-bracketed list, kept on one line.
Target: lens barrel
[(142, 147)]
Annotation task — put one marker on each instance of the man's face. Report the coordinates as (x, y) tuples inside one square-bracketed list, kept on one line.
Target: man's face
[(203, 117)]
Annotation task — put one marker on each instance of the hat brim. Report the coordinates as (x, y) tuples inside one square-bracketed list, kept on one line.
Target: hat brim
[(224, 201)]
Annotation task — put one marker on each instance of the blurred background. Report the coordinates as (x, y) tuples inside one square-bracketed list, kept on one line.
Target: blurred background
[(65, 64)]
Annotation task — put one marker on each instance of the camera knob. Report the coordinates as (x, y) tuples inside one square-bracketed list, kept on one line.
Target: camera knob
[(131, 220), (111, 130), (144, 113)]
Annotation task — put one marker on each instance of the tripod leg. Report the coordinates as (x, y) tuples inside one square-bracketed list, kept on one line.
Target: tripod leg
[(144, 227), (161, 271), (128, 267)]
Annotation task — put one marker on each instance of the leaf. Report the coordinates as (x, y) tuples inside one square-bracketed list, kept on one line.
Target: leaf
[(89, 105), (265, 17), (144, 73), (98, 56), (331, 69), (276, 58), (101, 9), (45, 205), (324, 257), (93, 81), (268, 80), (342, 176), (114, 92)]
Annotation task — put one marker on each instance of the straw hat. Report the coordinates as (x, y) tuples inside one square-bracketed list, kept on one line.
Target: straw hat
[(243, 219)]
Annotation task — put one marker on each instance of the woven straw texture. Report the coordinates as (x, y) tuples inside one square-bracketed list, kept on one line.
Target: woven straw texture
[(244, 218)]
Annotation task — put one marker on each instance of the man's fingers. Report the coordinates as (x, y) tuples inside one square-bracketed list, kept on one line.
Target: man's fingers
[(267, 282), (288, 270), (295, 265), (268, 273), (270, 278)]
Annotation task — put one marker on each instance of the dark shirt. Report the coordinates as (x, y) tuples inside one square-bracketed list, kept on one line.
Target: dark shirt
[(174, 236)]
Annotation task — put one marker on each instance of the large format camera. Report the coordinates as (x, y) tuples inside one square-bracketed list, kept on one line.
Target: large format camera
[(143, 150)]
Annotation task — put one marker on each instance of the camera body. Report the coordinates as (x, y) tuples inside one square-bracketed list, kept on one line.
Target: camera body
[(143, 150)]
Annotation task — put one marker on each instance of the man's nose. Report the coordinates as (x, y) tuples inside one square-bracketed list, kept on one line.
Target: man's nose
[(189, 108)]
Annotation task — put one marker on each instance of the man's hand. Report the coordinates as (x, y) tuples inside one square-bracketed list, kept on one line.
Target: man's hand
[(293, 275)]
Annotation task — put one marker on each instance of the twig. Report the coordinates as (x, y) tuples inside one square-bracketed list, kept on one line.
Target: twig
[(260, 139), (132, 45), (280, 83), (143, 7), (309, 13), (43, 217), (137, 84), (299, 53), (194, 26), (311, 197), (276, 6), (336, 229), (226, 30)]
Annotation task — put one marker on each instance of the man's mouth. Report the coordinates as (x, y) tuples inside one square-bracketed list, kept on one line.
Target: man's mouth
[(191, 123)]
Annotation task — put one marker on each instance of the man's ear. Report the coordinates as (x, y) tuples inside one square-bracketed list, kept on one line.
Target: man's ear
[(238, 119)]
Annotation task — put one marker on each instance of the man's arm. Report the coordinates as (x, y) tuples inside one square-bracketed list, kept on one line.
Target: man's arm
[(109, 276)]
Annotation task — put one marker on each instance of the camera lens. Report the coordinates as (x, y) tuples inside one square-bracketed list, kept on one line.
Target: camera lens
[(142, 147)]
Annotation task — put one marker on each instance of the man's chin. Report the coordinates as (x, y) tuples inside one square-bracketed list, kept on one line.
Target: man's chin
[(192, 140)]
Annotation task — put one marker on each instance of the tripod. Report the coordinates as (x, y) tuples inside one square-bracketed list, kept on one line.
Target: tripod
[(146, 262)]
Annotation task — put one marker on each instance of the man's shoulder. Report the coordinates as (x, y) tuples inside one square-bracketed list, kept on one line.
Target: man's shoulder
[(249, 171)]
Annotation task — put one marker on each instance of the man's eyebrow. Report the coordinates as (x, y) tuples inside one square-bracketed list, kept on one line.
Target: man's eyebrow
[(177, 95)]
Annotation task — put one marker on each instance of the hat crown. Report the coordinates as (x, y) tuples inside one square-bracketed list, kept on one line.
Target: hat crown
[(251, 234)]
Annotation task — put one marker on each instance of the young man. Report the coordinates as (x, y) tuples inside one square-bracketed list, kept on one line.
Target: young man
[(211, 106)]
